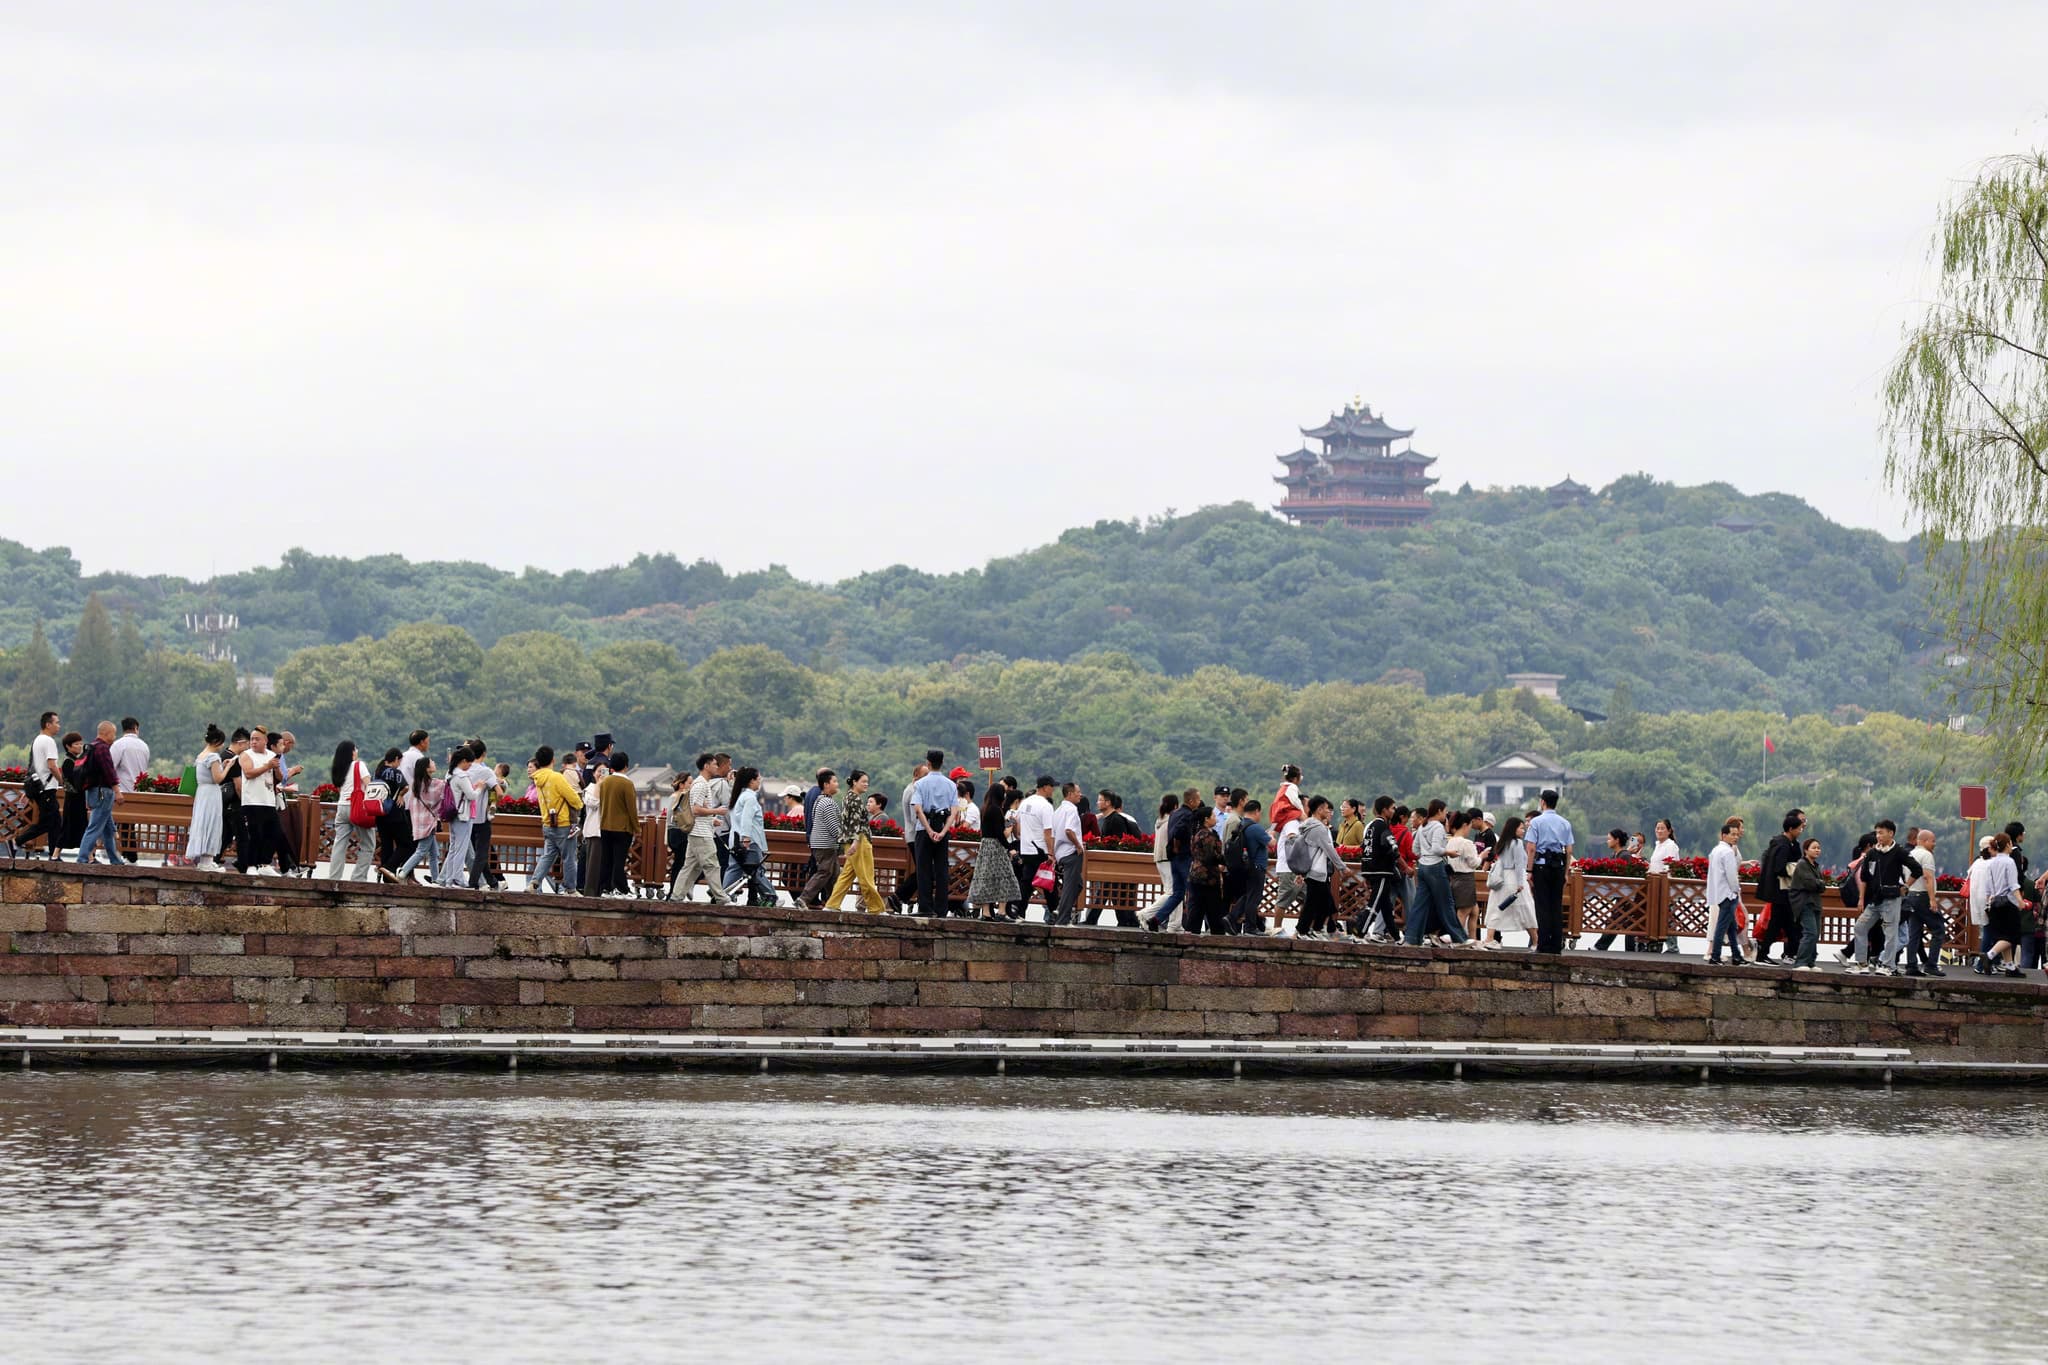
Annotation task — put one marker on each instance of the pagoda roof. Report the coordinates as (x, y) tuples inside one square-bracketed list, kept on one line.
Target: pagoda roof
[(1370, 457), (1302, 456), (1355, 500), (1526, 766), (1568, 485), (1358, 423)]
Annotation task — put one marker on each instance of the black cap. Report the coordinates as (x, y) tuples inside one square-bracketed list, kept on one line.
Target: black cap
[(603, 738)]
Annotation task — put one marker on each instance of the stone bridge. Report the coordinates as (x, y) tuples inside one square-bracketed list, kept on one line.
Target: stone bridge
[(155, 948)]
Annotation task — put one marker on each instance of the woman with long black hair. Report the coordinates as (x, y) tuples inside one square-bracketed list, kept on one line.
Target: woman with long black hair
[(349, 776), (995, 880)]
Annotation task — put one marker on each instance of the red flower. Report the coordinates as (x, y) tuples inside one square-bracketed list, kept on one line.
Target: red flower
[(1119, 843), (1614, 867)]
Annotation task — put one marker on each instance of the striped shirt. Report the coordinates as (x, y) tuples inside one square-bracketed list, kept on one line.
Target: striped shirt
[(824, 822)]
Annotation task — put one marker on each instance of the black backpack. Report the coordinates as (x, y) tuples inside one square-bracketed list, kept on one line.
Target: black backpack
[(1237, 859)]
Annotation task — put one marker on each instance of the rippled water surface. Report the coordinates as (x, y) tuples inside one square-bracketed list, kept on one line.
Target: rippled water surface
[(351, 1216)]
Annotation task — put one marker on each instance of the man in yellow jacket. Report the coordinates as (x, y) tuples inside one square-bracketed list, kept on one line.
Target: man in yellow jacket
[(560, 805)]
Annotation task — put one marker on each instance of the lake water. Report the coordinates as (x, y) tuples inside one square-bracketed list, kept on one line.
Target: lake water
[(600, 1217)]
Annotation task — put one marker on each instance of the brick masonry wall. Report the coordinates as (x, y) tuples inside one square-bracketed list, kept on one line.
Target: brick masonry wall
[(158, 948)]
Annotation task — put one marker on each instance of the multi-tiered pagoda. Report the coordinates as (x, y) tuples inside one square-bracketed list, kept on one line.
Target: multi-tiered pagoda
[(1358, 478)]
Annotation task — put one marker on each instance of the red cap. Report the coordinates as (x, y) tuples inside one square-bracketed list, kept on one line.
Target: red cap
[(959, 773)]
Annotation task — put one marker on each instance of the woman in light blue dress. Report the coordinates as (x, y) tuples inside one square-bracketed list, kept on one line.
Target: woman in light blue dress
[(203, 838)]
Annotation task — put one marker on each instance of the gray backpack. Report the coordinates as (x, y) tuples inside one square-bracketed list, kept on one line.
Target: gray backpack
[(1300, 857)]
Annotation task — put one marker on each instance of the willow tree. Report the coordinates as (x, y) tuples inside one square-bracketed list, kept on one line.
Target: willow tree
[(1967, 421)]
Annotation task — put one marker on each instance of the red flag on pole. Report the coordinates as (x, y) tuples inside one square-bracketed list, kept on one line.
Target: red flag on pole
[(1769, 747)]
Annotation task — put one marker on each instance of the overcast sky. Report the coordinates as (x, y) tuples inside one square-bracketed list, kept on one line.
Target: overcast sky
[(838, 285)]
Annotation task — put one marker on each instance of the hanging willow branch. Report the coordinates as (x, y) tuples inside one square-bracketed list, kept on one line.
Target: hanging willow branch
[(1966, 409)]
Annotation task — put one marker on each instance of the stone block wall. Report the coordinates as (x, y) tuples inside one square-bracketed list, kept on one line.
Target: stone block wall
[(178, 949)]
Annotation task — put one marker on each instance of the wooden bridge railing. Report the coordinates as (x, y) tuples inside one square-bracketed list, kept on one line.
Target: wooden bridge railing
[(153, 825)]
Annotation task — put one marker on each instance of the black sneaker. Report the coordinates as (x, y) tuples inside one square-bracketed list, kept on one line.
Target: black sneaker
[(1981, 965), (1913, 971)]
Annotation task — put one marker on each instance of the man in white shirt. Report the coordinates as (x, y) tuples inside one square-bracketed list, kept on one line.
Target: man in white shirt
[(415, 750), (1034, 846), (1724, 894), (1063, 833), (401, 832), (700, 850), (131, 755), (131, 760), (260, 781), (45, 781), (1923, 954)]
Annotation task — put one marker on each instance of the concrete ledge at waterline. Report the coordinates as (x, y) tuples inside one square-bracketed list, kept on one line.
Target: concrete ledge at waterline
[(999, 1056), (177, 949)]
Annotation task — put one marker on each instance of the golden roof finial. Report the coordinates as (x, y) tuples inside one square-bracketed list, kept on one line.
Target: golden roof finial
[(1358, 402)]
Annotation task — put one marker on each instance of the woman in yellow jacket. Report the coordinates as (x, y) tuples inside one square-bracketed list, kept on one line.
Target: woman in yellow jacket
[(856, 847)]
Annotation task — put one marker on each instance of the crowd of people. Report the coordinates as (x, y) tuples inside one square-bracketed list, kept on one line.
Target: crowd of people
[(411, 814)]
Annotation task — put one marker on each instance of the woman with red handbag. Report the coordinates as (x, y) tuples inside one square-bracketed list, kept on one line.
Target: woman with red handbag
[(356, 808)]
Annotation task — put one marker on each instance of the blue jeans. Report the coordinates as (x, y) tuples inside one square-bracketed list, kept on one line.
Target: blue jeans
[(428, 851), (1434, 914), (558, 847), (1178, 865), (744, 878), (99, 826), (1724, 928)]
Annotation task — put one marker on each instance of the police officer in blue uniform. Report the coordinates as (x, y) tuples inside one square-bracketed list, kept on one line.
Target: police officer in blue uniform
[(1549, 839)]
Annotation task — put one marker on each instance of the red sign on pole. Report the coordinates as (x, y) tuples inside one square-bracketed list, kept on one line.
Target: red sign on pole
[(990, 747), (1976, 803)]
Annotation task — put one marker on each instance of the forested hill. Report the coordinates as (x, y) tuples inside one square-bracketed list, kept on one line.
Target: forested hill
[(1639, 588)]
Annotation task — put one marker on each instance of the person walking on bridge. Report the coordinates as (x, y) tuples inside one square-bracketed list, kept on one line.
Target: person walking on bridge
[(46, 785), (1380, 861), (1433, 917), (1774, 884), (1803, 892), (1921, 921), (857, 816), (825, 815), (1724, 894), (700, 848), (1886, 871), (561, 807), (1995, 906)]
